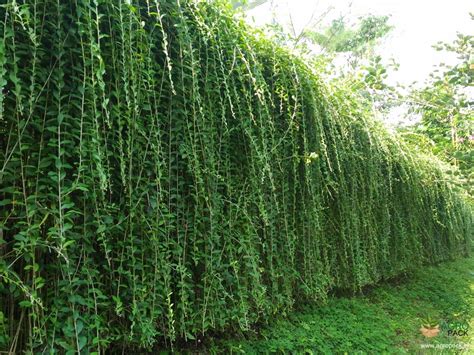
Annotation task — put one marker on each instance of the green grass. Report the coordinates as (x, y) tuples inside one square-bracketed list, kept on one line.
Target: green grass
[(385, 319)]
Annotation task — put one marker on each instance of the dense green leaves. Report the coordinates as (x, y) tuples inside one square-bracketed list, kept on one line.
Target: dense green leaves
[(384, 319), (446, 110), (166, 173)]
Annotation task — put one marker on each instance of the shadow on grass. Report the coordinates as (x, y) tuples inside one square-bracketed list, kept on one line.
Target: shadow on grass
[(386, 318)]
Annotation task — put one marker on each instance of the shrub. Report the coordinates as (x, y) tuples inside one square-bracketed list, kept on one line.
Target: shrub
[(165, 172)]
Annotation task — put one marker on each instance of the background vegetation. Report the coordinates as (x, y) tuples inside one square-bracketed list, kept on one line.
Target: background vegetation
[(446, 109), (435, 117), (166, 172)]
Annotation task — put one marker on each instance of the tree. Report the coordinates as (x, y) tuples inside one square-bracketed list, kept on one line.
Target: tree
[(363, 68), (358, 41), (446, 109)]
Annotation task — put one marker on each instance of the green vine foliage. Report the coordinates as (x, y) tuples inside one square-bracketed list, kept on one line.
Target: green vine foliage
[(166, 172)]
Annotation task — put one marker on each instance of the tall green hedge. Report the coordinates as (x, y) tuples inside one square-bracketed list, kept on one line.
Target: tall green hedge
[(165, 173)]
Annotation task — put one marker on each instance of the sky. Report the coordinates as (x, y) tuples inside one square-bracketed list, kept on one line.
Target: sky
[(418, 24)]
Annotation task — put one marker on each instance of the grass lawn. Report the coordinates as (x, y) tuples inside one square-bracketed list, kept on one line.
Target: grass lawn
[(385, 319)]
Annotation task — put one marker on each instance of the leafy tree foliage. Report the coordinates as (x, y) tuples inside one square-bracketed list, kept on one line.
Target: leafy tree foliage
[(446, 109), (364, 71), (340, 38)]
